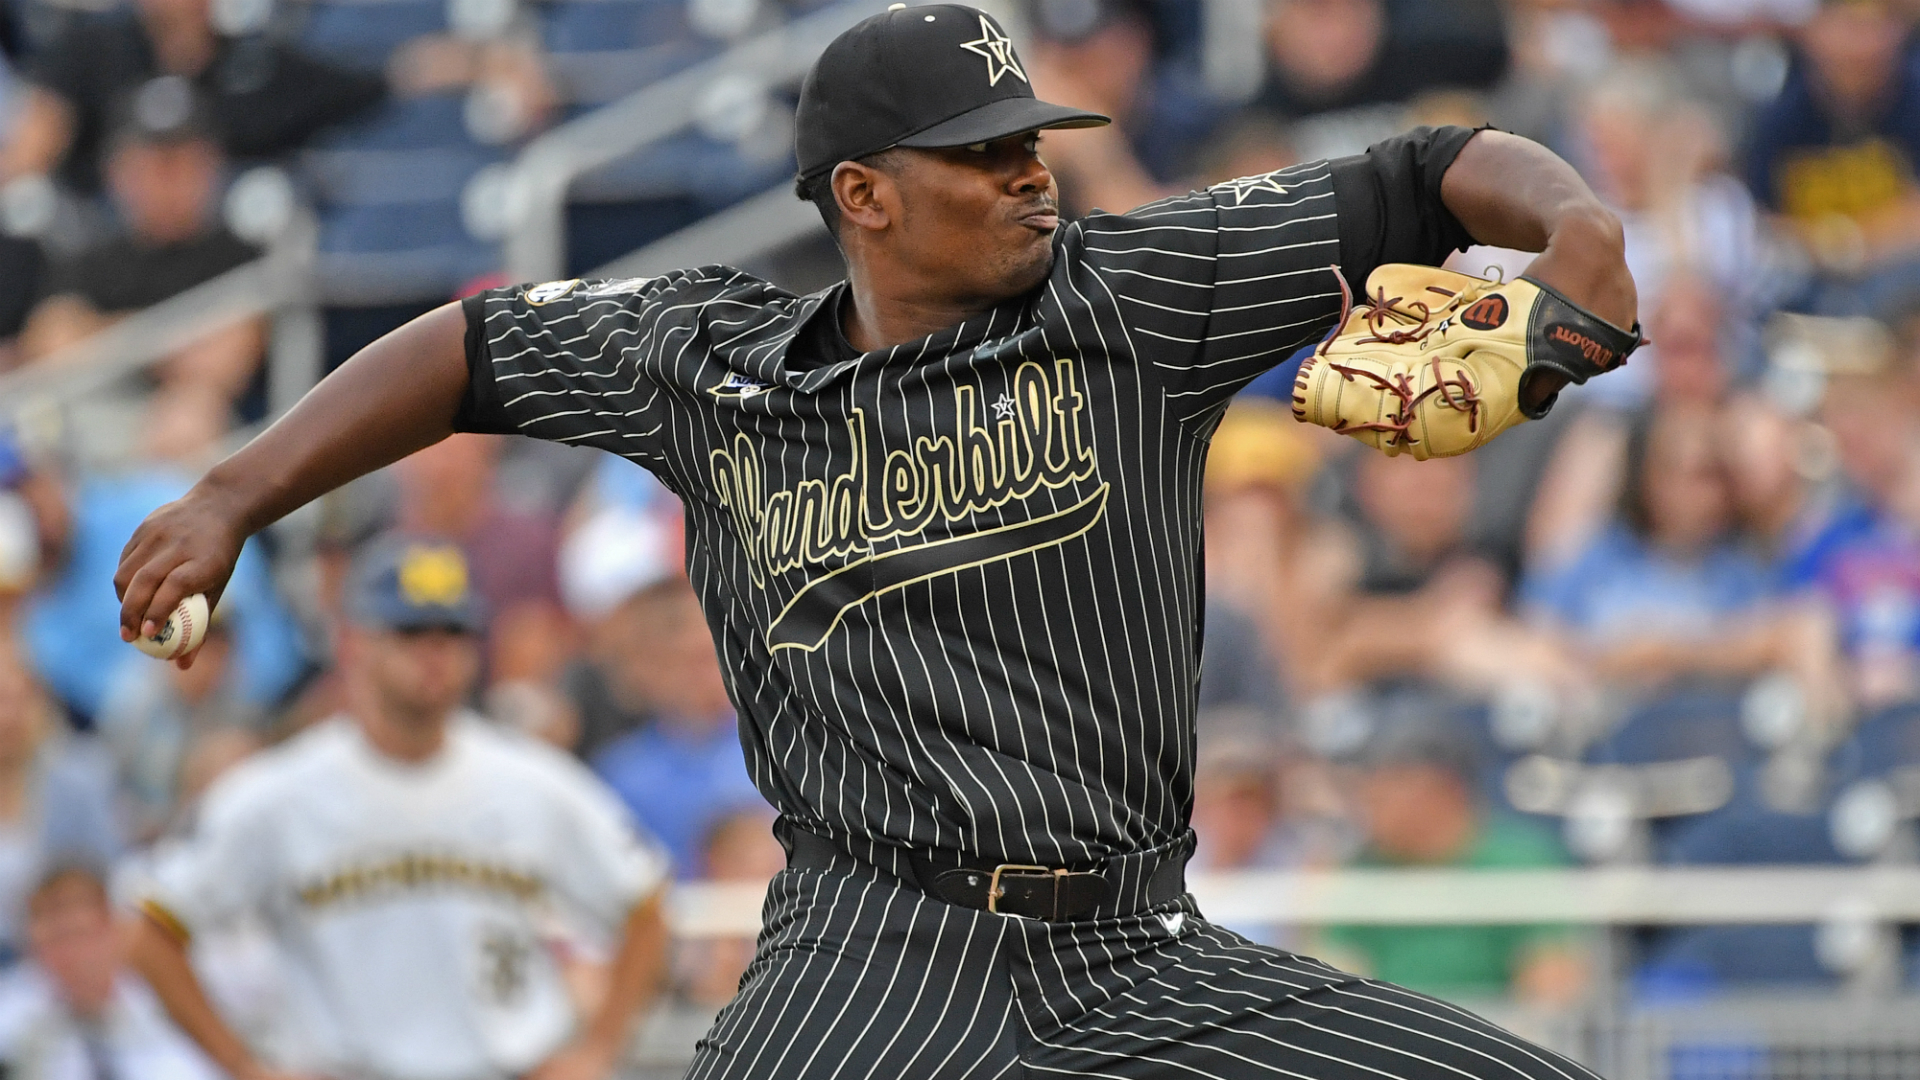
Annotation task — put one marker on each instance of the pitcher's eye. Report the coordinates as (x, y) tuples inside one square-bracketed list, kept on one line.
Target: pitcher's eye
[(977, 147), (1032, 144)]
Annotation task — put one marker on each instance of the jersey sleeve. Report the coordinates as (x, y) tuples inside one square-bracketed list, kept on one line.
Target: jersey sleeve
[(603, 864), (1217, 286), (1389, 202), (225, 868), (568, 361)]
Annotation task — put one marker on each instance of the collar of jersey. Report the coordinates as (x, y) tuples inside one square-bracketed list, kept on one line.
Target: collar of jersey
[(1007, 319)]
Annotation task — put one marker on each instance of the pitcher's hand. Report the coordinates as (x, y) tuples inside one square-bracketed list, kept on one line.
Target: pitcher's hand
[(188, 546)]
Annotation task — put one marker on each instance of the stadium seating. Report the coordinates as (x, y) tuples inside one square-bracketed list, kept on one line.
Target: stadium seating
[(1882, 742), (600, 50), (1748, 831), (1691, 721), (366, 33), (388, 192)]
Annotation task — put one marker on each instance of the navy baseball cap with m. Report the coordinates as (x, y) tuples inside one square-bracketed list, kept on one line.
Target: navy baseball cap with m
[(929, 76), (406, 583)]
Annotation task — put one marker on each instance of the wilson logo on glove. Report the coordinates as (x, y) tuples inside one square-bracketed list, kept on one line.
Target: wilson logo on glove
[(1590, 350), (1487, 313)]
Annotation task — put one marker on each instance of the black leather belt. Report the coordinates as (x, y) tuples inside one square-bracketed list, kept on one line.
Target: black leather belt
[(1120, 886)]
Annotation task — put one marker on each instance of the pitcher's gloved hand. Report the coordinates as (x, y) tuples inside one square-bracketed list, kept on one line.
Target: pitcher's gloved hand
[(1433, 363)]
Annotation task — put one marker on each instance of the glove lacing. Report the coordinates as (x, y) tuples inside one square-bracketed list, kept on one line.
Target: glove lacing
[(1401, 385)]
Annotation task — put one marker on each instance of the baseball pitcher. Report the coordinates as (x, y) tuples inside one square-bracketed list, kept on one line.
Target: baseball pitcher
[(944, 518)]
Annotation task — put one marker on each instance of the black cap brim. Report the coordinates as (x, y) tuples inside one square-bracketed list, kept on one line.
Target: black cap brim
[(999, 119), (396, 616)]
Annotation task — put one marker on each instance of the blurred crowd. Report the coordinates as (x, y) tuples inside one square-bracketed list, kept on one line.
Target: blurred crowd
[(1675, 623)]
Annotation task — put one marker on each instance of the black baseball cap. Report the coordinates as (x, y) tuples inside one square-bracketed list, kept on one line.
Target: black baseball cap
[(164, 110), (929, 76)]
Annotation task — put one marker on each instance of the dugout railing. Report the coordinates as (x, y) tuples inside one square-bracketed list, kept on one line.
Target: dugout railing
[(1866, 1028), (49, 401), (534, 191), (62, 402), (1612, 896)]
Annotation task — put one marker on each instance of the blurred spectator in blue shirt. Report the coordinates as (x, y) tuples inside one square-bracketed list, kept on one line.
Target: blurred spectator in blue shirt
[(656, 722), (1865, 563), (1779, 466), (1579, 496), (72, 626), (685, 769), (1666, 591), (679, 775)]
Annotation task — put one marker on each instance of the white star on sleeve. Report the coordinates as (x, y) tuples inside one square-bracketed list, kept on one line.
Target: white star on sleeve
[(1248, 185)]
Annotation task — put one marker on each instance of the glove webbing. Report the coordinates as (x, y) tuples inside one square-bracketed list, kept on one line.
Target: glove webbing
[(1400, 386)]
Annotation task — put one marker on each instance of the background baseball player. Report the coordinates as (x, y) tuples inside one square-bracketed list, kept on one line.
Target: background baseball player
[(410, 860), (944, 519)]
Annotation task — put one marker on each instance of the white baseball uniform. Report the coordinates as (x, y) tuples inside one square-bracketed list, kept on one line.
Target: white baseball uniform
[(408, 899)]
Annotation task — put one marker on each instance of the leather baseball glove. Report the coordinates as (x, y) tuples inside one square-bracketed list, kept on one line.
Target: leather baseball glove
[(1433, 363)]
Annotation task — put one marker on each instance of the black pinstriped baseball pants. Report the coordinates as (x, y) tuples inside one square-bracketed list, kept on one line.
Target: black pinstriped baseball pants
[(858, 977)]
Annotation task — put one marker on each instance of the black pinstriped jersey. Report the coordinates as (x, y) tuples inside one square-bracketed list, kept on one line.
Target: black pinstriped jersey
[(956, 584)]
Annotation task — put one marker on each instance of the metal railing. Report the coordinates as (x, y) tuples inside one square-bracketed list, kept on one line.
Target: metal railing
[(545, 171), (1233, 56), (39, 397), (282, 284), (1744, 1037), (36, 398), (761, 225), (1690, 896)]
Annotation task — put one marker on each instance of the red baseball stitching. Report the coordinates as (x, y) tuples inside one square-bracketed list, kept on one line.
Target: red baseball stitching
[(185, 615)]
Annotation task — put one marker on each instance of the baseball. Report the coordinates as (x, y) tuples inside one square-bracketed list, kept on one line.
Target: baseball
[(186, 628)]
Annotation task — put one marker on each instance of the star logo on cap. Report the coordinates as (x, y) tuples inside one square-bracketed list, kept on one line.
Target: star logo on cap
[(998, 50)]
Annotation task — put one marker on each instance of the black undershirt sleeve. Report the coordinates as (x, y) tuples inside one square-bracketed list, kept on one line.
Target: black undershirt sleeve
[(1389, 203), (480, 407)]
